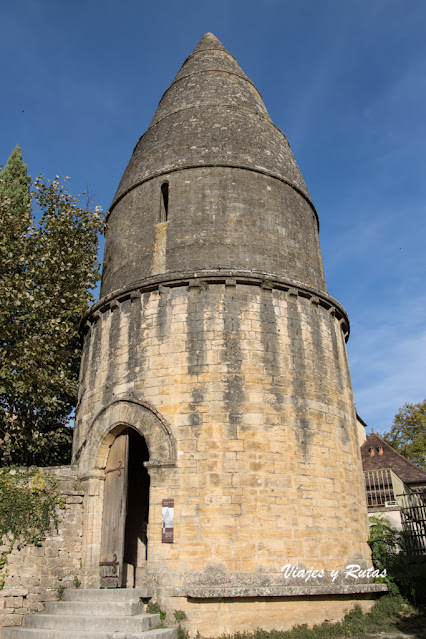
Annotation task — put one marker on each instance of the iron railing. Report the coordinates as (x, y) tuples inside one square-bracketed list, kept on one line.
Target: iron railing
[(383, 488)]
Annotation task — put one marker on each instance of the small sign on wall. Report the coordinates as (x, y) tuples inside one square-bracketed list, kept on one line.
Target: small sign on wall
[(167, 521)]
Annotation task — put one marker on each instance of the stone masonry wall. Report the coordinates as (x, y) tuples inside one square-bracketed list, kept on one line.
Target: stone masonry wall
[(35, 574), (254, 386), (213, 219)]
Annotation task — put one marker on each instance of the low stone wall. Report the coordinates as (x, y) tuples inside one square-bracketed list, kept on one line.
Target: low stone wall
[(36, 574), (214, 617)]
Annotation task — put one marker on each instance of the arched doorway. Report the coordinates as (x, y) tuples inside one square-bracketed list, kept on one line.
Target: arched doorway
[(136, 531), (92, 456), (124, 542)]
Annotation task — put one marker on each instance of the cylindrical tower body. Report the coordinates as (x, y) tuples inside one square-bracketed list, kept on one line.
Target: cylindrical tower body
[(216, 340)]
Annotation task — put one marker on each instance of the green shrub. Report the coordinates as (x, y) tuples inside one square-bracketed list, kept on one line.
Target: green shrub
[(180, 615), (405, 576), (154, 609), (181, 633), (28, 508)]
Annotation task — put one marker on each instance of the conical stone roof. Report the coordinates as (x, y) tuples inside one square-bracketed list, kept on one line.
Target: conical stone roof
[(211, 115), (212, 187), (210, 76)]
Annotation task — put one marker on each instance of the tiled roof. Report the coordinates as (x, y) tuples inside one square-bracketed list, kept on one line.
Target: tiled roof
[(408, 472)]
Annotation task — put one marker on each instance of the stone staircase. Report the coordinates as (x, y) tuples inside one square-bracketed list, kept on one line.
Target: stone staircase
[(93, 614)]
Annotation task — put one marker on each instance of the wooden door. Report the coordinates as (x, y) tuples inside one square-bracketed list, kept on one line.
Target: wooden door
[(114, 514)]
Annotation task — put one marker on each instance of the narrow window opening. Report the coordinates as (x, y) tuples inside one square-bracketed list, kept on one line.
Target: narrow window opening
[(164, 208)]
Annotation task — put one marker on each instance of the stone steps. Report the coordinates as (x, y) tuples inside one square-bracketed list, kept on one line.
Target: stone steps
[(43, 633), (93, 614), (134, 623), (111, 594), (108, 608)]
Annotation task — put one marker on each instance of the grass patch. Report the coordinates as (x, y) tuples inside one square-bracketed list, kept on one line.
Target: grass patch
[(387, 615), (154, 609)]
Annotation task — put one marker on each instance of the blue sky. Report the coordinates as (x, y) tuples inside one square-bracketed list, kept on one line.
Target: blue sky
[(345, 81)]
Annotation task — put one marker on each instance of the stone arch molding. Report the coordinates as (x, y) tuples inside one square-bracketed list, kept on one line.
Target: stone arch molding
[(140, 416)]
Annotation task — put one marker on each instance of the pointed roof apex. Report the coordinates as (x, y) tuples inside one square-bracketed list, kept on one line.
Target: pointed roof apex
[(219, 82), (211, 114), (209, 41), (390, 458)]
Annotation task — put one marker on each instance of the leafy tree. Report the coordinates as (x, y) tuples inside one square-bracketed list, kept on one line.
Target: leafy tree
[(15, 185), (47, 272), (408, 433)]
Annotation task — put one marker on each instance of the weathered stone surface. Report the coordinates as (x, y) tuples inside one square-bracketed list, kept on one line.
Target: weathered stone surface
[(35, 574), (281, 591), (227, 217), (279, 613), (94, 614), (236, 197)]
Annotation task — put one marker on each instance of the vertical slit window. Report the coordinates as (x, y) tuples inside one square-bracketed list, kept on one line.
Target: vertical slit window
[(164, 206)]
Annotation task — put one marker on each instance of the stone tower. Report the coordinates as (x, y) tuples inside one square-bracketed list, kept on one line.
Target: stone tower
[(215, 382)]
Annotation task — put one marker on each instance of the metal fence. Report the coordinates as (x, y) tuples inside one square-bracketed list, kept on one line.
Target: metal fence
[(413, 518), (385, 489)]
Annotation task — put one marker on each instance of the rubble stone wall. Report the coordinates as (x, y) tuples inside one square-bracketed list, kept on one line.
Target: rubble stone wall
[(35, 574)]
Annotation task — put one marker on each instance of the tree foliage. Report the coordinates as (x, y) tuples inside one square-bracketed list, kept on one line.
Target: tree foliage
[(47, 271), (408, 433), (389, 551), (29, 505)]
